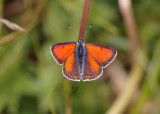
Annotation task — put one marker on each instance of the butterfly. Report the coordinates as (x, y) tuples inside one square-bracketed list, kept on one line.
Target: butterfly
[(82, 61)]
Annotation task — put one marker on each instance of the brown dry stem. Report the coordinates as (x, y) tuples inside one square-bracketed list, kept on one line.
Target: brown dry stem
[(136, 72)]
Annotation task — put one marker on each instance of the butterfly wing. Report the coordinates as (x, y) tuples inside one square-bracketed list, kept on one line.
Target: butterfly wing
[(61, 51), (92, 70), (97, 57), (70, 68), (64, 54), (101, 54)]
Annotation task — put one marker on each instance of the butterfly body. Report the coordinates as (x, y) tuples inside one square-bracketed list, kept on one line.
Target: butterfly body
[(80, 52), (82, 61)]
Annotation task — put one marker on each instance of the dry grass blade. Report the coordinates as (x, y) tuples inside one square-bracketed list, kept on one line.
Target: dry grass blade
[(136, 73), (11, 25)]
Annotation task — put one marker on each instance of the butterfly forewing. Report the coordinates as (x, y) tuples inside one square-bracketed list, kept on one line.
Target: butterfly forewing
[(101, 54), (61, 51), (64, 54)]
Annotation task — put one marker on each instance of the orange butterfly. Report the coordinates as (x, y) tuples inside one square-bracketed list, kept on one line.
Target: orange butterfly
[(82, 61)]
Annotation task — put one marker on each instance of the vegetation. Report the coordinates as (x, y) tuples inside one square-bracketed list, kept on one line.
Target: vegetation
[(31, 82)]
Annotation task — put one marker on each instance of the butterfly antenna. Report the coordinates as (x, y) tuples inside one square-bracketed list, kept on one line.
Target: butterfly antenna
[(88, 29), (72, 31)]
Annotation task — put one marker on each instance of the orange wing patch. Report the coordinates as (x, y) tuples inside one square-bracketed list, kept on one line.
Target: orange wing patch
[(62, 50), (92, 70), (94, 66), (101, 54), (64, 53), (69, 63), (70, 68)]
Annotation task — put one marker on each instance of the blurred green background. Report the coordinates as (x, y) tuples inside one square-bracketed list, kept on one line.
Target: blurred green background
[(31, 82)]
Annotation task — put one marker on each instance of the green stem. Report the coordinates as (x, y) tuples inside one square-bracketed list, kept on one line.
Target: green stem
[(68, 102)]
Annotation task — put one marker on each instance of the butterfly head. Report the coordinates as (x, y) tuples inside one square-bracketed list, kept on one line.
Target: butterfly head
[(80, 40)]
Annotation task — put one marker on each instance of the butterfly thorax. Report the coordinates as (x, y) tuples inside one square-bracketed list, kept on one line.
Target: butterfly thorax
[(80, 53)]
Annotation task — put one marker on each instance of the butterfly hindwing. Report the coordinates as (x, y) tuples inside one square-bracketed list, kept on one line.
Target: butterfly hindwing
[(61, 51), (70, 68), (101, 54), (92, 70)]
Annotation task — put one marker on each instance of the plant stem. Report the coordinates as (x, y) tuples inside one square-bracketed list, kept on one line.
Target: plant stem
[(127, 14), (84, 18), (136, 73), (67, 91)]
